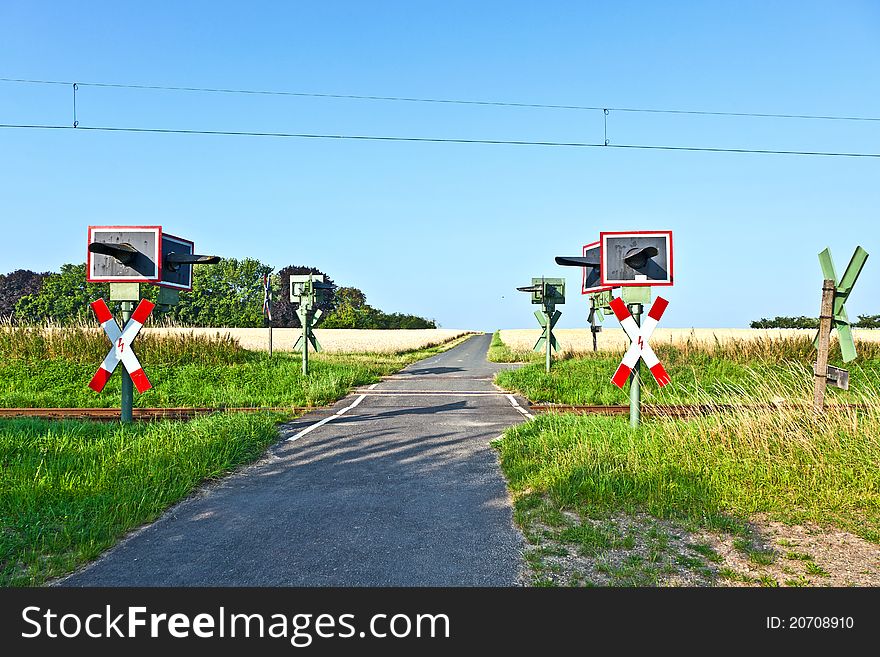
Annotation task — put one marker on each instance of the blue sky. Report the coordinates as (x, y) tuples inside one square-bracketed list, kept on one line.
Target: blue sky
[(449, 230)]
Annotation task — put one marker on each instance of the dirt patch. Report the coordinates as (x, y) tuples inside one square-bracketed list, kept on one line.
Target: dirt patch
[(640, 550), (777, 554)]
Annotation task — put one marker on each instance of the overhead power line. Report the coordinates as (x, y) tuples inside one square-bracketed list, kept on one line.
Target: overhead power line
[(448, 101), (439, 140)]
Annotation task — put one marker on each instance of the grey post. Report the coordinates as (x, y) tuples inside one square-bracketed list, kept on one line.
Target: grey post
[(127, 386), (635, 392), (304, 320), (548, 313)]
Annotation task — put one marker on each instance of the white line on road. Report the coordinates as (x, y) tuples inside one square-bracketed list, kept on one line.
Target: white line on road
[(372, 387), (427, 393), (326, 420), (516, 405)]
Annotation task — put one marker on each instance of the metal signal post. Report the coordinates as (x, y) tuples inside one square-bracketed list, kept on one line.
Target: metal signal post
[(547, 292), (635, 379), (306, 291)]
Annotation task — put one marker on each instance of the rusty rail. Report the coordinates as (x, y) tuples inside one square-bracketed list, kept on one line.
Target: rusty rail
[(671, 410), (186, 413), (110, 414)]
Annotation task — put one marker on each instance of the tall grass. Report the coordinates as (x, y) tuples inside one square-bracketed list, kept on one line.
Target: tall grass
[(90, 345), (728, 372), (185, 370), (712, 470), (69, 489), (499, 352)]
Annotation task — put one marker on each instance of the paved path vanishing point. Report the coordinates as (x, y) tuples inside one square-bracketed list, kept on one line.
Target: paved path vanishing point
[(396, 485)]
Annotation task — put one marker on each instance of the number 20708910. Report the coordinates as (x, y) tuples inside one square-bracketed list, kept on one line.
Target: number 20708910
[(810, 623)]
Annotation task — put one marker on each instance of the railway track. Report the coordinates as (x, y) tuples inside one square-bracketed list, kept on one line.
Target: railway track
[(185, 413), (671, 410), (111, 414)]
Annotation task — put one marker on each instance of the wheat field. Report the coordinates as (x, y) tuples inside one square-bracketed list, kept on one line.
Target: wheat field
[(614, 339), (384, 341)]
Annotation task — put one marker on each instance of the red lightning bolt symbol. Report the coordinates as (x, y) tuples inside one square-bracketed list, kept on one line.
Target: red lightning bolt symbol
[(641, 344), (121, 344)]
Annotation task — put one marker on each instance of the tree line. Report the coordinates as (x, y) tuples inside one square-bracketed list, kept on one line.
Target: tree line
[(865, 321), (228, 294)]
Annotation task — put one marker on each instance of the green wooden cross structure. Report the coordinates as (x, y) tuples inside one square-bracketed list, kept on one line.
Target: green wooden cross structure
[(842, 289), (547, 292), (306, 291)]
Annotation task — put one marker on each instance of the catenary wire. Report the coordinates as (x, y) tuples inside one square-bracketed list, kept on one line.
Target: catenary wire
[(450, 101), (439, 140)]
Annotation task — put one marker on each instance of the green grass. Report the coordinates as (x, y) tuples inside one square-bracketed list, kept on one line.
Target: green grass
[(762, 557), (812, 568), (714, 471), (707, 551), (499, 352), (225, 375), (591, 540), (70, 489)]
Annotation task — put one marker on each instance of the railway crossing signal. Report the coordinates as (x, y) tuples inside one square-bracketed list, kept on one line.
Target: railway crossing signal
[(639, 347), (178, 258), (547, 292), (306, 291), (124, 254), (125, 257), (842, 289), (635, 258), (832, 315), (121, 350), (635, 261)]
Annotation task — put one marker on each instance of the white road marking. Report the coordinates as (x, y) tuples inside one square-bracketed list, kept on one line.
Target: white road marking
[(427, 393), (514, 403), (326, 420), (372, 387)]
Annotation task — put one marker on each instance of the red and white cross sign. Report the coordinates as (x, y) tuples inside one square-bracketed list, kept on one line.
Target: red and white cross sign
[(639, 347), (121, 340)]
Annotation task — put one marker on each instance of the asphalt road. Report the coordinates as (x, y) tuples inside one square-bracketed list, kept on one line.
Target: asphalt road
[(400, 489)]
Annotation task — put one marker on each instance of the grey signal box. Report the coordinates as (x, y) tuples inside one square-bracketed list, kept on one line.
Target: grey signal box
[(141, 254), (178, 260), (642, 258), (591, 263), (306, 288), (546, 291), (124, 254)]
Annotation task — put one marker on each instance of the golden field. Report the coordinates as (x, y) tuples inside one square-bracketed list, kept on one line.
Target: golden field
[(386, 341), (614, 339)]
